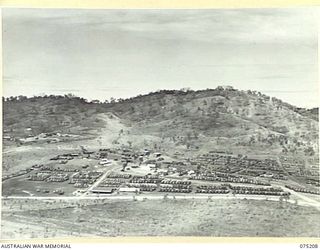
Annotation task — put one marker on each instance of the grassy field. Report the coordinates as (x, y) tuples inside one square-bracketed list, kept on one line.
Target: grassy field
[(39, 218)]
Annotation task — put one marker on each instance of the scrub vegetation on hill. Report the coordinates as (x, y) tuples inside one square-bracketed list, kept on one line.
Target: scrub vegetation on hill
[(181, 118)]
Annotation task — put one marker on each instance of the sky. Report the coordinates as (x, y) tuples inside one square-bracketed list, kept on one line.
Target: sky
[(98, 54)]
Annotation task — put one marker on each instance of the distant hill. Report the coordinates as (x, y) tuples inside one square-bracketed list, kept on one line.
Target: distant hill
[(221, 118)]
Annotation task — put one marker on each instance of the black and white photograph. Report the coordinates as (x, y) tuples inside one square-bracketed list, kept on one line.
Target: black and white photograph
[(160, 122)]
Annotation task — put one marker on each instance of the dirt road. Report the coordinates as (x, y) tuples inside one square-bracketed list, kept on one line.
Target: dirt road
[(94, 185)]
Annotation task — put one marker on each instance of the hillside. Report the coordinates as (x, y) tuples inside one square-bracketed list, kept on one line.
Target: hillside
[(212, 119)]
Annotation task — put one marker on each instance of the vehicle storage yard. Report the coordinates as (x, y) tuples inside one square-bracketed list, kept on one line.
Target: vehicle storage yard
[(116, 171), (143, 192)]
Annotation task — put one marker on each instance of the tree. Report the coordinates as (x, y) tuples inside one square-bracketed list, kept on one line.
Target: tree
[(185, 89), (309, 151), (22, 98), (69, 96), (95, 101)]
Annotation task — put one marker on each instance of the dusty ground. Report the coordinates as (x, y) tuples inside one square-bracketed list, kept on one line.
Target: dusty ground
[(158, 218)]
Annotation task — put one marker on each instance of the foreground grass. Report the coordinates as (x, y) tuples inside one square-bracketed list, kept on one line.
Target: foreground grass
[(38, 219)]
